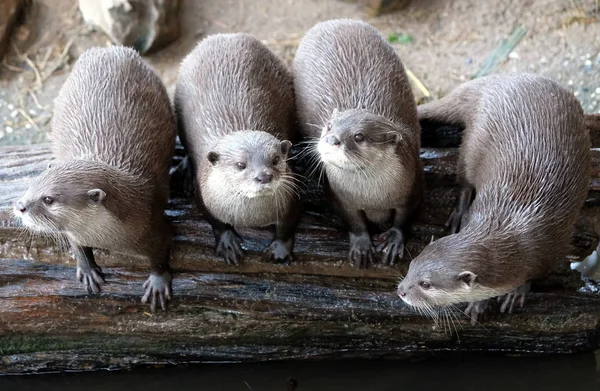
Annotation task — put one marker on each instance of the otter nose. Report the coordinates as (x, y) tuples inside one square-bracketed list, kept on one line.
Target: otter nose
[(20, 207), (332, 140), (264, 177), (401, 292)]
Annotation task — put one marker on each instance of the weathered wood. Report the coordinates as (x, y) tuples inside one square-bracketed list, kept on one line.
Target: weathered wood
[(318, 307)]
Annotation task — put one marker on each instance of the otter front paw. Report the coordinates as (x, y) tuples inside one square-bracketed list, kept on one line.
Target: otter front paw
[(280, 252), (477, 311), (158, 290), (229, 246), (518, 295), (91, 278), (392, 246), (361, 250)]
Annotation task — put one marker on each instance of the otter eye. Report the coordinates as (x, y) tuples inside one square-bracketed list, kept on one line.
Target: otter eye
[(425, 284), (240, 165), (276, 160), (358, 137), (328, 126), (48, 200)]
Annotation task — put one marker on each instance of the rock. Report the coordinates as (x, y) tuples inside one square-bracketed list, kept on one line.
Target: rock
[(145, 25), (9, 14)]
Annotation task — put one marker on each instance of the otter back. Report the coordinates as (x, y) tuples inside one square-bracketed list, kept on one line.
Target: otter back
[(228, 83), (123, 119), (347, 64)]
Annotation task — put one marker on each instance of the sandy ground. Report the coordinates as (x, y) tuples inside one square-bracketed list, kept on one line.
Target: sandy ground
[(450, 42)]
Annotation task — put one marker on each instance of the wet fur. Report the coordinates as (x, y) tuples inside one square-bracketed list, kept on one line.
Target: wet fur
[(347, 75), (113, 129), (235, 98), (525, 152)]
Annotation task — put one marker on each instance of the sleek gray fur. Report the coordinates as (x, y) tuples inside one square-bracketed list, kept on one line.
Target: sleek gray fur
[(113, 134), (235, 105), (526, 154), (351, 89)]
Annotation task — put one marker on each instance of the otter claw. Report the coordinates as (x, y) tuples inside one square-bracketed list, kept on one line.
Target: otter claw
[(361, 251), (392, 246), (477, 311), (280, 252), (91, 278), (229, 246), (158, 290), (517, 296)]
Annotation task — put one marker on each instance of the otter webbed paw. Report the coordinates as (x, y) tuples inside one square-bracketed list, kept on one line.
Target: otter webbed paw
[(477, 311), (158, 290), (91, 277), (361, 250), (392, 247), (280, 251), (518, 295), (229, 246)]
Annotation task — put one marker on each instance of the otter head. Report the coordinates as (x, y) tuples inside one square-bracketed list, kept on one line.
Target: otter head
[(448, 271), (66, 197), (356, 139), (250, 163)]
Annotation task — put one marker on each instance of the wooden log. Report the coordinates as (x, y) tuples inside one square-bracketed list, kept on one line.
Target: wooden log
[(318, 307)]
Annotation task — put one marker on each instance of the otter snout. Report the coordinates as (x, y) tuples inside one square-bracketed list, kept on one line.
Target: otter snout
[(332, 140), (264, 177), (402, 289), (20, 206)]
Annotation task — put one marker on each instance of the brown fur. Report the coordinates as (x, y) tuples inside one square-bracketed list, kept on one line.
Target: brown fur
[(113, 134), (235, 104), (350, 83), (525, 154)]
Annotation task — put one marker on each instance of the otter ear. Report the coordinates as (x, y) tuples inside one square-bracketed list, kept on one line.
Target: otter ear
[(213, 157), (469, 278), (96, 196), (285, 146), (394, 138), (334, 113)]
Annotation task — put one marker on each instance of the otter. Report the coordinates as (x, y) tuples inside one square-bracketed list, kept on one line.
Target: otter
[(356, 107), (524, 167), (234, 102), (113, 138)]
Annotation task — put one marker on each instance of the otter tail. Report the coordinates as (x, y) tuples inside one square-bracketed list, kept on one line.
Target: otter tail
[(442, 121), (453, 109)]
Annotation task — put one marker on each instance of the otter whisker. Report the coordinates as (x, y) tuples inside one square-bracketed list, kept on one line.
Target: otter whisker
[(314, 125), (290, 189)]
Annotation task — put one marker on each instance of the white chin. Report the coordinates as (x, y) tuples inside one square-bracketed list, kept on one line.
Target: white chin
[(260, 192), (407, 301), (30, 224), (332, 156)]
